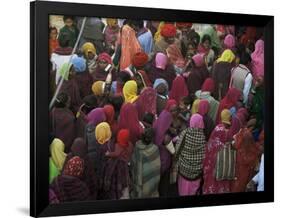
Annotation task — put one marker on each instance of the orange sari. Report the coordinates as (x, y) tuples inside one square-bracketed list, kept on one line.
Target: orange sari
[(130, 46)]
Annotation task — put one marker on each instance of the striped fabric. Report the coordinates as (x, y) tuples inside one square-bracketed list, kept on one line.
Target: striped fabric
[(225, 163), (145, 169)]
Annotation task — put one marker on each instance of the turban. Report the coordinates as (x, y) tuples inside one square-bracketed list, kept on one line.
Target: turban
[(88, 47), (111, 22), (168, 30), (105, 57), (139, 59)]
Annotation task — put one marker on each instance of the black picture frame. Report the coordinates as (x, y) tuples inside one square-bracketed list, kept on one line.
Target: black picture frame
[(39, 140)]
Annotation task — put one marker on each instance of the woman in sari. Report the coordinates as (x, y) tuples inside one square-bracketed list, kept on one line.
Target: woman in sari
[(129, 113), (110, 118), (206, 92), (215, 41), (247, 159), (79, 148), (146, 103), (222, 73), (160, 68), (197, 74), (89, 52), (82, 76), (190, 152), (209, 124), (111, 33), (57, 159), (130, 90), (230, 100), (70, 86), (142, 80), (63, 121), (69, 187), (205, 49), (219, 137), (129, 46), (178, 89), (161, 86), (239, 120), (258, 59)]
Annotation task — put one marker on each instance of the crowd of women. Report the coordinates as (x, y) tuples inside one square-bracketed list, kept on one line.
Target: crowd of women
[(145, 108)]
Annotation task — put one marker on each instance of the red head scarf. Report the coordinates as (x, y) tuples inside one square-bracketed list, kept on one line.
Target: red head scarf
[(140, 59), (203, 107), (170, 103), (74, 167), (123, 137), (105, 57), (109, 113), (168, 30), (208, 85), (178, 89)]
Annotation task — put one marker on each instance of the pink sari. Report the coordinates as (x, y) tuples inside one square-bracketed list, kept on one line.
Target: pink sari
[(219, 137), (258, 59)]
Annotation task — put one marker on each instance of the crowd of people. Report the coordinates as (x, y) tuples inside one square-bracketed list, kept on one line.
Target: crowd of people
[(154, 109)]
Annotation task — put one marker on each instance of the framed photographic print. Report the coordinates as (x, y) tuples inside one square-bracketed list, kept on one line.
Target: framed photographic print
[(142, 109)]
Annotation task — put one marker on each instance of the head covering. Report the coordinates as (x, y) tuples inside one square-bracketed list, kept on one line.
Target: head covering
[(96, 116), (103, 133), (208, 85), (196, 121), (161, 61), (79, 148), (130, 90), (139, 59), (168, 30), (123, 137), (64, 70), (195, 106), (169, 104), (159, 81), (111, 22), (203, 107), (242, 115), (227, 56), (105, 57), (258, 59), (98, 88), (79, 64), (146, 102), (178, 89), (198, 60), (226, 116), (144, 78), (57, 153), (183, 24), (128, 119), (74, 167), (229, 41), (88, 47), (109, 113)]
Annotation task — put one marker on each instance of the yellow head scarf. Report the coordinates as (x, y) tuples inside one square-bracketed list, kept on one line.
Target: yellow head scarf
[(103, 132), (226, 116), (195, 106), (157, 35), (111, 22), (88, 47), (57, 153), (98, 88), (227, 56), (130, 90)]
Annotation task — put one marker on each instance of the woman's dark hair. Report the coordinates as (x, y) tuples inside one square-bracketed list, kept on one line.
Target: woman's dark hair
[(148, 136), (61, 100), (52, 28), (245, 58), (137, 23), (90, 102), (187, 100), (68, 17), (63, 42), (148, 118), (116, 102), (124, 76), (205, 38)]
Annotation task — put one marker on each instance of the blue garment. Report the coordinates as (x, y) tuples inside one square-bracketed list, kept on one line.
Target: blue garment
[(146, 42), (79, 64)]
